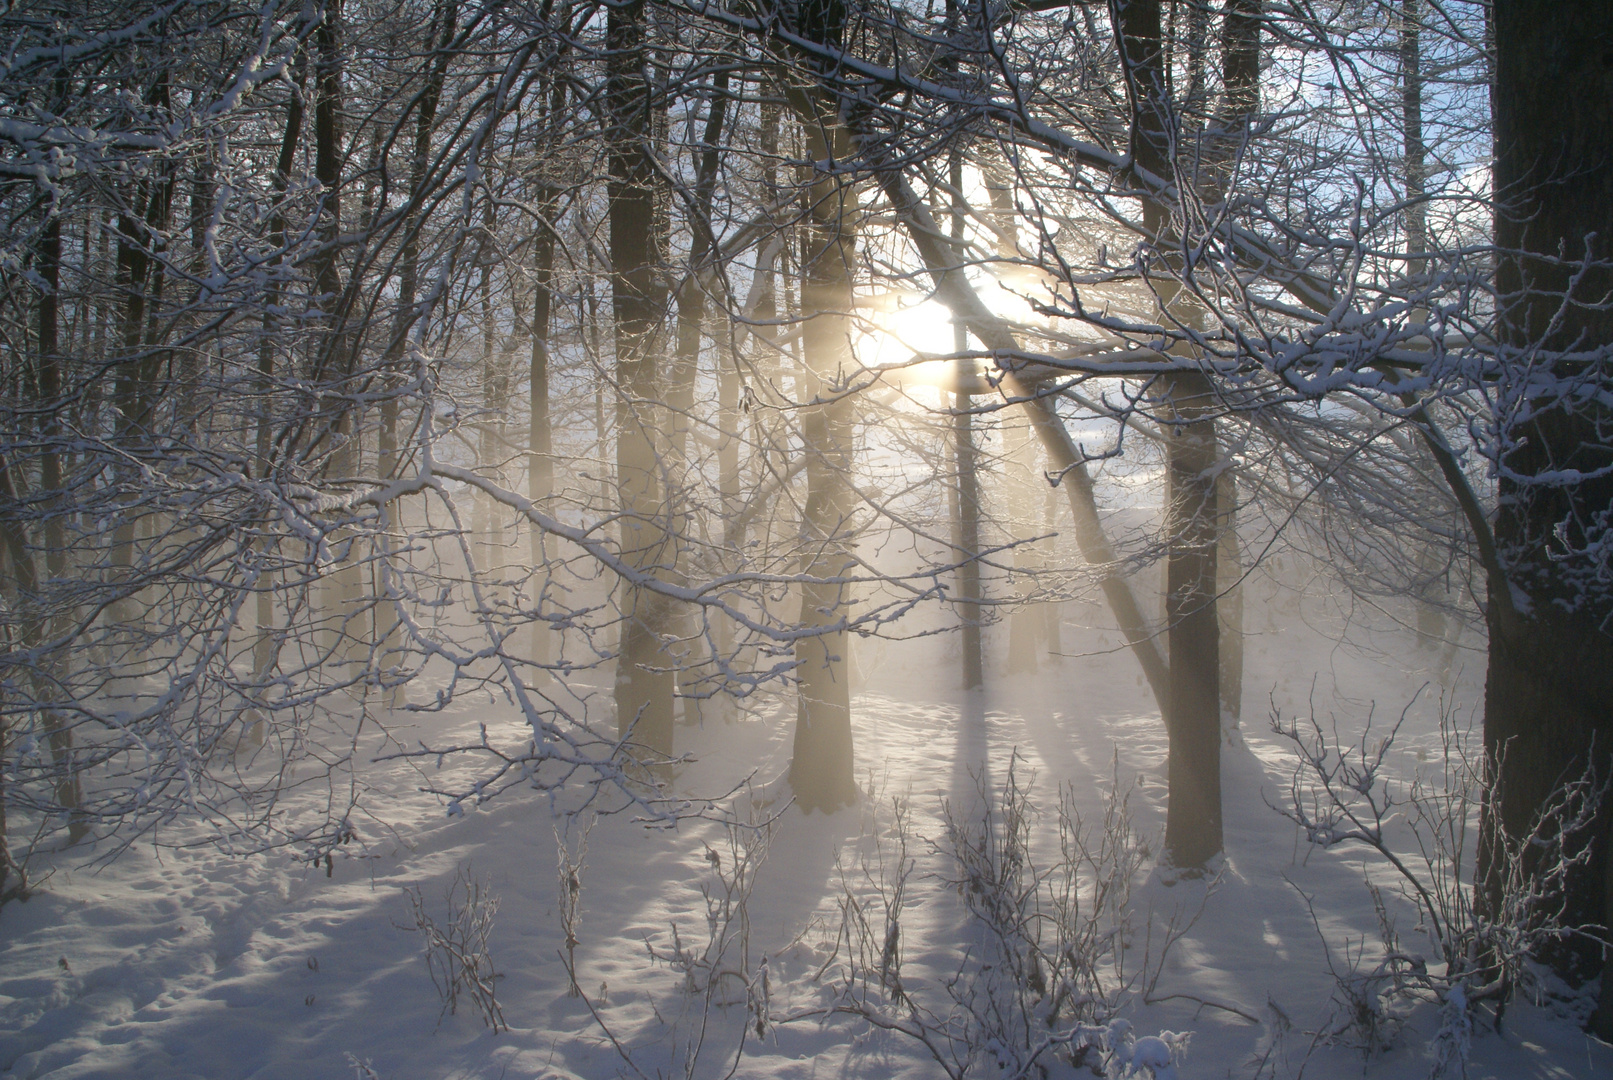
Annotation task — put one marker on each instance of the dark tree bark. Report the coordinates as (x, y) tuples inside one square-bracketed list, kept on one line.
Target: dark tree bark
[(142, 225), (69, 787), (686, 359), (1411, 118), (644, 679), (1240, 61), (1193, 716), (440, 35), (328, 149), (1549, 694), (333, 357), (540, 441), (1240, 81), (1188, 407), (540, 435)]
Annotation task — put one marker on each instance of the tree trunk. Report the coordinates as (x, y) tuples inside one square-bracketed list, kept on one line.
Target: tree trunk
[(1027, 629), (963, 439), (69, 789), (266, 644), (50, 392), (387, 626), (821, 770), (133, 279), (1429, 613), (644, 678), (1240, 80), (685, 369), (1193, 715), (540, 435), (758, 309), (1063, 457), (1549, 693), (1028, 621), (331, 359), (822, 766), (1229, 593)]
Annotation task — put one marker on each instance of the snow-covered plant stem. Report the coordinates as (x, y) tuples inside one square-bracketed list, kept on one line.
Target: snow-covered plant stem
[(715, 974), (568, 900), (457, 952)]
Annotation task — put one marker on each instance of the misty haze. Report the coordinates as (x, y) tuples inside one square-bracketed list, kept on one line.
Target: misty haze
[(1025, 540)]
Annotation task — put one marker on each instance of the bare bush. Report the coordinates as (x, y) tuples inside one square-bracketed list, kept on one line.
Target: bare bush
[(1484, 937), (868, 926), (719, 968), (1052, 961), (715, 965), (457, 952)]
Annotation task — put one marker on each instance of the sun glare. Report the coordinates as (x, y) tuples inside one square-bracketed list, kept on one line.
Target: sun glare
[(893, 338)]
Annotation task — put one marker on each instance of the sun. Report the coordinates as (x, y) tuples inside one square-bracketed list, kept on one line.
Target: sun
[(896, 332)]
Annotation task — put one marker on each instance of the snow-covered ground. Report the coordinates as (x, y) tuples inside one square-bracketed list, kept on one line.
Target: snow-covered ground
[(180, 965)]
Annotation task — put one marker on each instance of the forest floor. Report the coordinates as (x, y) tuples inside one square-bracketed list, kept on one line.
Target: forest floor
[(195, 964)]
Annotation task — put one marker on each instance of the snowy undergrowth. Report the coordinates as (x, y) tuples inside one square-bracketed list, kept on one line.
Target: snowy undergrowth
[(1474, 958), (196, 965)]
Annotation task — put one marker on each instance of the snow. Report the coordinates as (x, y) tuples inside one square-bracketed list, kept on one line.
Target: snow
[(193, 964)]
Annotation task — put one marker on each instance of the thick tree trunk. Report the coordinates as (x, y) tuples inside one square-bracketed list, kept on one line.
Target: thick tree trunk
[(644, 678), (822, 766), (821, 770), (1193, 717), (1549, 694)]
